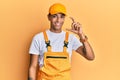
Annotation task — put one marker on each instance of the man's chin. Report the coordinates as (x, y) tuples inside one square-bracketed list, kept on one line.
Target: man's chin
[(58, 27)]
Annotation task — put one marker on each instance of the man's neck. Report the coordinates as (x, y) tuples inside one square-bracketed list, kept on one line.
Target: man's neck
[(55, 31)]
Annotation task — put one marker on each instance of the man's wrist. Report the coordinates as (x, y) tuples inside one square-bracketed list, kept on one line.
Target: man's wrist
[(83, 39), (81, 35)]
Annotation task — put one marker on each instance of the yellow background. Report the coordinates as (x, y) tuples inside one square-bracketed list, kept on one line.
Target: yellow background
[(20, 20)]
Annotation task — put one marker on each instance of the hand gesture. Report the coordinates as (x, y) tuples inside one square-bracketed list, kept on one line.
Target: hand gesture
[(76, 27)]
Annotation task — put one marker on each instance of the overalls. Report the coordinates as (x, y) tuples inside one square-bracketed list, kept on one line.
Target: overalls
[(56, 64)]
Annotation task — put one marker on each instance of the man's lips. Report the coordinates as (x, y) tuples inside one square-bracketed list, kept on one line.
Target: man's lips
[(57, 24)]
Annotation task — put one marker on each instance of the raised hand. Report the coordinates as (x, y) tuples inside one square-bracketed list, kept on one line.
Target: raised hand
[(86, 50), (76, 27)]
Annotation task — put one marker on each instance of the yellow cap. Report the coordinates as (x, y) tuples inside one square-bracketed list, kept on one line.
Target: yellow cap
[(57, 8)]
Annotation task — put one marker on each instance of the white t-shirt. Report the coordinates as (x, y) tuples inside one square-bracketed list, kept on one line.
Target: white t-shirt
[(38, 46)]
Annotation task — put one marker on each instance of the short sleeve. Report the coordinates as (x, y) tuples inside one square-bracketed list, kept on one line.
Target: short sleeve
[(35, 46), (76, 43)]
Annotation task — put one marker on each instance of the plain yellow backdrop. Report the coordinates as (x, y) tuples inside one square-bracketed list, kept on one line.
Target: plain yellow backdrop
[(20, 20)]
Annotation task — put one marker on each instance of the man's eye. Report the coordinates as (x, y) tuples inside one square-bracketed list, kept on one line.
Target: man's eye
[(53, 16), (62, 16)]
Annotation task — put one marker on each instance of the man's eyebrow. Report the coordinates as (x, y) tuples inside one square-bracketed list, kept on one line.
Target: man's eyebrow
[(54, 15)]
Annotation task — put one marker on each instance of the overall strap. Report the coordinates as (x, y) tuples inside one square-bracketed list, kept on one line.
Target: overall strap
[(47, 41), (66, 42)]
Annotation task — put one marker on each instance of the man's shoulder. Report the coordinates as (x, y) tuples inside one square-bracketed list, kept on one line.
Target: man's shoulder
[(38, 36)]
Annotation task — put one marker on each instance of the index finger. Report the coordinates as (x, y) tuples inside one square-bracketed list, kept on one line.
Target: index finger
[(72, 19)]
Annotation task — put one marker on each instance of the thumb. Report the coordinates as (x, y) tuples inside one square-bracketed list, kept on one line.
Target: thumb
[(71, 30)]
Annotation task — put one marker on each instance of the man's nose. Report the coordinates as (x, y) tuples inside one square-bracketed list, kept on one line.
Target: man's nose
[(58, 19)]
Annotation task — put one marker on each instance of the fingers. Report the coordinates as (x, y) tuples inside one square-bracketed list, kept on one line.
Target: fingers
[(73, 26), (73, 23), (76, 25), (72, 19)]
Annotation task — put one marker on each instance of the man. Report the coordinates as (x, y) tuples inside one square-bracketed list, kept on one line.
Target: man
[(52, 48)]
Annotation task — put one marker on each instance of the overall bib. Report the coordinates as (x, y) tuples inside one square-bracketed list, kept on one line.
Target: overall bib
[(56, 64)]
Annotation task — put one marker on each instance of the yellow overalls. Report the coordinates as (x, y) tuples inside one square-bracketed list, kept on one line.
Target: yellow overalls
[(56, 64)]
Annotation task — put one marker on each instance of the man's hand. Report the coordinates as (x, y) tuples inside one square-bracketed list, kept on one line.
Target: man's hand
[(76, 28)]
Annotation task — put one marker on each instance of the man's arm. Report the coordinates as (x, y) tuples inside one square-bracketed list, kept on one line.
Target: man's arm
[(86, 50), (33, 66)]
